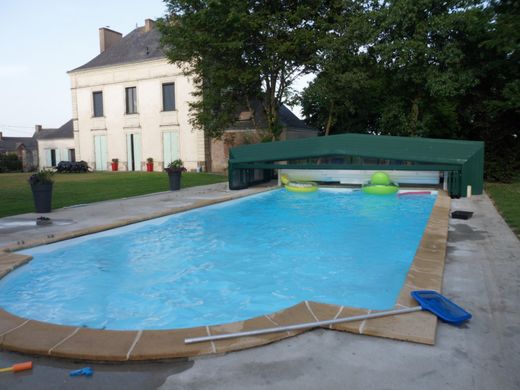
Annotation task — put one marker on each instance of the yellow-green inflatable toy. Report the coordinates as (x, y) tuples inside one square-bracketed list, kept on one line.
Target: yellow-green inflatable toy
[(298, 186), (380, 184)]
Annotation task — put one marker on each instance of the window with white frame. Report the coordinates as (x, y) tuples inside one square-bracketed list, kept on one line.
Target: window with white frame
[(168, 93), (131, 100), (97, 98)]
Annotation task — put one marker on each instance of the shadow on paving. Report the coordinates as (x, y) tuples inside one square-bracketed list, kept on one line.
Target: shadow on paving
[(54, 374)]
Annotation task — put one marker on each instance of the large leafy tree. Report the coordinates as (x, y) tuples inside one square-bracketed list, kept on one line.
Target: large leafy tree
[(420, 47), (395, 67), (345, 91), (425, 68), (491, 110), (239, 52)]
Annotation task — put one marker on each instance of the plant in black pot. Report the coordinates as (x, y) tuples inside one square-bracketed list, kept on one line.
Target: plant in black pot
[(174, 171), (41, 186)]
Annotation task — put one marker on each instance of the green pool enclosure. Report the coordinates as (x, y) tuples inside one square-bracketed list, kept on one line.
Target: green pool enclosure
[(352, 158)]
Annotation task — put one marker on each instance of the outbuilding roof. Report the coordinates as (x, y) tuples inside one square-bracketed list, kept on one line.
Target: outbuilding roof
[(285, 116), (65, 131), (11, 144)]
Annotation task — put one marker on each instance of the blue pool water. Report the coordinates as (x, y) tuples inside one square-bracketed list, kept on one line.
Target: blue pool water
[(226, 262)]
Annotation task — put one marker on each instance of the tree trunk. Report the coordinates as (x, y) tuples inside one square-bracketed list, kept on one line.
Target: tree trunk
[(329, 120)]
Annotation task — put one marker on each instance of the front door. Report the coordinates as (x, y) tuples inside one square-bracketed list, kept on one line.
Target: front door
[(100, 152), (133, 150)]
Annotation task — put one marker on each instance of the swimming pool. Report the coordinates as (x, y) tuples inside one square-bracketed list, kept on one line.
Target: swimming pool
[(226, 262)]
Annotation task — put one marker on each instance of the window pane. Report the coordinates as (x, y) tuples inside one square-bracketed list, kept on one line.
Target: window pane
[(131, 100), (98, 103), (168, 97)]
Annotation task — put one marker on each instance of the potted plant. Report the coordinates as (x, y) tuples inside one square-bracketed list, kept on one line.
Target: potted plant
[(41, 186), (174, 170), (115, 162), (149, 164)]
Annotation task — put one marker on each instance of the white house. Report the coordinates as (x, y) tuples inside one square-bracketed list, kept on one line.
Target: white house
[(129, 103), (55, 145)]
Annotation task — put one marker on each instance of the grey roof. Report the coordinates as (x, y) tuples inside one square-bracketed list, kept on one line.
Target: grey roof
[(65, 131), (11, 144), (136, 46), (286, 117)]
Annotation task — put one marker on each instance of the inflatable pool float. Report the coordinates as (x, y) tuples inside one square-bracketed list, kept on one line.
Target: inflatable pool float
[(299, 186), (380, 184)]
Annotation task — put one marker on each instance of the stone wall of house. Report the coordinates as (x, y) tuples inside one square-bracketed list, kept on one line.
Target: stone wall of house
[(230, 139)]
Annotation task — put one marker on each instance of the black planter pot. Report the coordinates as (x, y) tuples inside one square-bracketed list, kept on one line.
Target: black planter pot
[(42, 194), (175, 180)]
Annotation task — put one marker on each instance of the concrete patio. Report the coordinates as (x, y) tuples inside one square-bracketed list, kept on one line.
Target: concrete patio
[(482, 275)]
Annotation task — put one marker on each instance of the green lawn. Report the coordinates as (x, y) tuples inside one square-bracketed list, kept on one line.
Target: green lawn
[(77, 188), (507, 200)]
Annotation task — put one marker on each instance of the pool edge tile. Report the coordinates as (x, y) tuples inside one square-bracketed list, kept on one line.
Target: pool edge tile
[(95, 344), (235, 344), (11, 261), (169, 344), (35, 337)]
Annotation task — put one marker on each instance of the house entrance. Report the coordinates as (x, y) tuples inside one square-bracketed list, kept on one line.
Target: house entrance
[(133, 150), (100, 151), (170, 147)]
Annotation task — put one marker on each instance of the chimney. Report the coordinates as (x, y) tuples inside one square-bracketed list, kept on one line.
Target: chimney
[(37, 128), (148, 25), (107, 38), (0, 135)]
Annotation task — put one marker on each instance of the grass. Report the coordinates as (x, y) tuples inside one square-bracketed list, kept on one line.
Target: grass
[(507, 200), (78, 188)]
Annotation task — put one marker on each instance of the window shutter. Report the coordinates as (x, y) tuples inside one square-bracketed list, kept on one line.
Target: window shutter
[(48, 158)]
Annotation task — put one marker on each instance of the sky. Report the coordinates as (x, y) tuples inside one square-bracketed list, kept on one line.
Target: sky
[(41, 41)]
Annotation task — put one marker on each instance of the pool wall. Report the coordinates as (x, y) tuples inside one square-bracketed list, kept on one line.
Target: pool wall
[(35, 337)]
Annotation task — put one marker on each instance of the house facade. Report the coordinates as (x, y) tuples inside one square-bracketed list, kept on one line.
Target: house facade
[(130, 104)]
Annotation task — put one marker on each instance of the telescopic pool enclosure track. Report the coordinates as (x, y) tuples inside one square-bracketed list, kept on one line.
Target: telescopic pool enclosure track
[(461, 161)]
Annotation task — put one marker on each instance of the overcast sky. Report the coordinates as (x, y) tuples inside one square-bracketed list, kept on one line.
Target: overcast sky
[(42, 40)]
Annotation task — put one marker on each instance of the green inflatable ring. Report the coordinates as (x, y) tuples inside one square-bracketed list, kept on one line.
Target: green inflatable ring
[(296, 186), (377, 189)]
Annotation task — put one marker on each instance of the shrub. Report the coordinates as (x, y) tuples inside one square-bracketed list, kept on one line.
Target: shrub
[(10, 163)]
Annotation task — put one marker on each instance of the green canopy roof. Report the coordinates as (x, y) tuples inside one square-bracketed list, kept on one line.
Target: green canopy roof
[(427, 150), (464, 158)]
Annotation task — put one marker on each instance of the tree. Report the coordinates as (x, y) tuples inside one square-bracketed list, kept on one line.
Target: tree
[(424, 68), (240, 51), (343, 95), (491, 110)]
